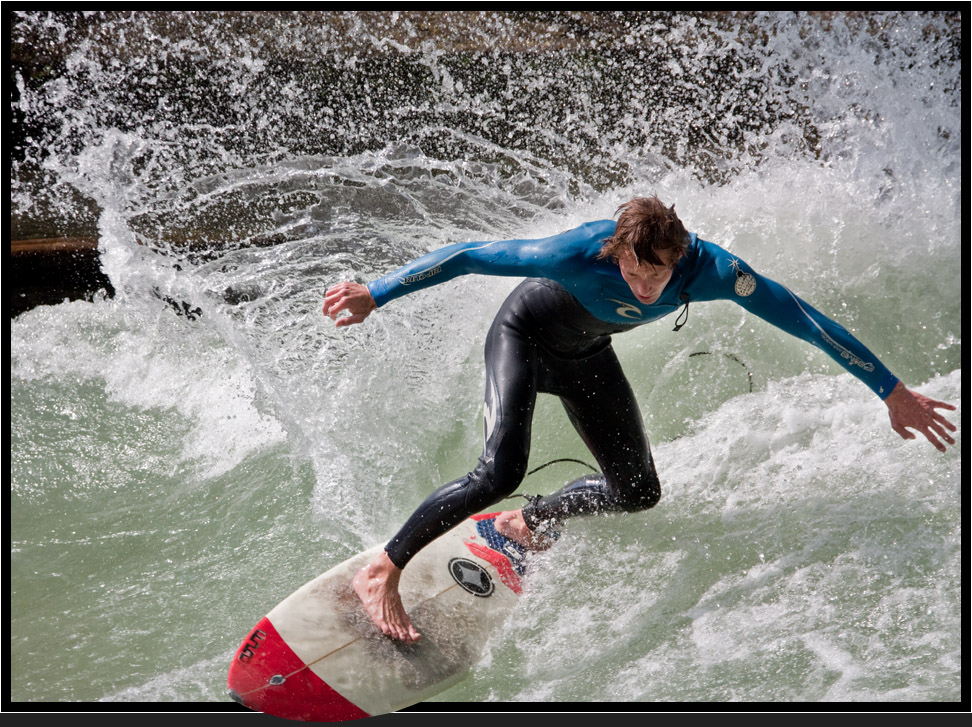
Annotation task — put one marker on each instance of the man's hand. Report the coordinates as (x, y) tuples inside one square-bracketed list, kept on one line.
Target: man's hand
[(910, 410), (352, 297)]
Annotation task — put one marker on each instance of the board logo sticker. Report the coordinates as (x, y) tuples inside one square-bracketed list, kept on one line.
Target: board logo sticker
[(251, 644), (471, 576)]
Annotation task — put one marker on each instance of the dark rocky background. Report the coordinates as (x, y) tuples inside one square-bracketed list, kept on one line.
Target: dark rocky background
[(53, 249)]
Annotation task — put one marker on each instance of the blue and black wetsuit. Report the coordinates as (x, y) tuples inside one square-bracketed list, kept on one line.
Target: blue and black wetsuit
[(553, 335)]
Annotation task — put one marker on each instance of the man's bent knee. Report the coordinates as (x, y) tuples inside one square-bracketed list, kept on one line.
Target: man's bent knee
[(643, 497), (490, 483)]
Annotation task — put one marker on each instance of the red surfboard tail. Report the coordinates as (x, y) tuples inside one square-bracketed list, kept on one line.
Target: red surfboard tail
[(267, 676)]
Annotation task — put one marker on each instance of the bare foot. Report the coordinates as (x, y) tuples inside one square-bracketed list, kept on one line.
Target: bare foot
[(512, 525), (377, 586)]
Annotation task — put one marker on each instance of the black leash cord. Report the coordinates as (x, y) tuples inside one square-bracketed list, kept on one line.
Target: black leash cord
[(564, 459), (749, 374), (547, 464)]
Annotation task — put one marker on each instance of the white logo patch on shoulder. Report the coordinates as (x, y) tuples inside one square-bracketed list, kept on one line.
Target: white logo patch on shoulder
[(745, 283)]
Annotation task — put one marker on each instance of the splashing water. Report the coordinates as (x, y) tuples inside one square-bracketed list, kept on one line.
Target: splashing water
[(174, 476)]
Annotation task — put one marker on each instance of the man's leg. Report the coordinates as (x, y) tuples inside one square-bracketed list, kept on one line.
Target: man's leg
[(602, 407), (511, 388)]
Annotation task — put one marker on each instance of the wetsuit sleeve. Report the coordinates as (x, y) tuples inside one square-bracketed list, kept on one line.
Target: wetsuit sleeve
[(504, 257), (545, 257), (774, 303)]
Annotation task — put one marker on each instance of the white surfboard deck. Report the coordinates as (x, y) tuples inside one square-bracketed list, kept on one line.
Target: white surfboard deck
[(317, 655)]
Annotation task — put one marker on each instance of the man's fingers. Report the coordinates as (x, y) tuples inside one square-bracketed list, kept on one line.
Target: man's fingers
[(929, 434), (931, 438), (335, 308), (335, 301), (940, 430), (348, 320), (904, 432), (945, 422)]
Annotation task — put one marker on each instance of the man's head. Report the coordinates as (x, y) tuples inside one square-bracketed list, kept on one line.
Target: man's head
[(649, 230), (647, 242)]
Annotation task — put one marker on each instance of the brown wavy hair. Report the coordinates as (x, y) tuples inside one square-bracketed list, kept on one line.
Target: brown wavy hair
[(649, 229)]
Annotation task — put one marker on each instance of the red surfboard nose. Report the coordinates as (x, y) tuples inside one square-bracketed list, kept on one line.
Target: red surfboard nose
[(267, 676)]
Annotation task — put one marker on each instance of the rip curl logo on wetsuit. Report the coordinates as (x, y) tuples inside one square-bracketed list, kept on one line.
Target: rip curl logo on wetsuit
[(745, 283), (471, 576), (626, 310)]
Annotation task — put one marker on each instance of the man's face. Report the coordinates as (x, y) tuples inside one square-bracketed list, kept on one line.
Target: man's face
[(646, 281)]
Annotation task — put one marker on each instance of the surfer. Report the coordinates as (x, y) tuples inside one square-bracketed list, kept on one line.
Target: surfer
[(553, 335)]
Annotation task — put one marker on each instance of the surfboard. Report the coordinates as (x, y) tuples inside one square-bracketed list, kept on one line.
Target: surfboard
[(318, 657)]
